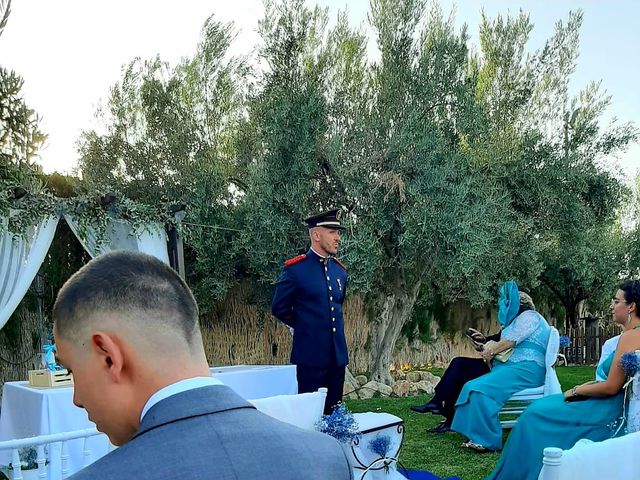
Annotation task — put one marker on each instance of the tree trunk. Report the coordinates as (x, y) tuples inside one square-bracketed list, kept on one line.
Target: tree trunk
[(571, 314), (19, 346), (393, 310)]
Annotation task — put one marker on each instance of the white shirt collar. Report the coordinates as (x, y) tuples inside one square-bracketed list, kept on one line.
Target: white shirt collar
[(178, 387), (321, 256)]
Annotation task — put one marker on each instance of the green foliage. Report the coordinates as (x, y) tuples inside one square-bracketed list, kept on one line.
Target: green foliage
[(631, 213), (170, 141), (20, 137), (454, 170), (289, 173)]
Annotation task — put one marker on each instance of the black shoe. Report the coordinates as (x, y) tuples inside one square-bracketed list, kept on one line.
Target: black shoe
[(444, 427), (427, 408)]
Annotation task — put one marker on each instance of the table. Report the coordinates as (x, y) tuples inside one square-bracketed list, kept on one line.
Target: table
[(30, 412), (258, 381)]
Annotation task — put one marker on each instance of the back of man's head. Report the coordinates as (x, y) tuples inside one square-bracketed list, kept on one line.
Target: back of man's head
[(129, 292), (127, 326)]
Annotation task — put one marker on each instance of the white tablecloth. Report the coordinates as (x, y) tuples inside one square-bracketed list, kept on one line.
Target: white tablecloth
[(258, 381), (30, 412)]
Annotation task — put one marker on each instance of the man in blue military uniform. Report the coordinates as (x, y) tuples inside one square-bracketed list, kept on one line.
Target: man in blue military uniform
[(308, 298)]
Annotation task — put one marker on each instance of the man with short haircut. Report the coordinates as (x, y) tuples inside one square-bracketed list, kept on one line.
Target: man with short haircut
[(127, 326), (308, 298)]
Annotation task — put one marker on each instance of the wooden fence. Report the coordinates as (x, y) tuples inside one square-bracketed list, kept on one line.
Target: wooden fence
[(587, 340)]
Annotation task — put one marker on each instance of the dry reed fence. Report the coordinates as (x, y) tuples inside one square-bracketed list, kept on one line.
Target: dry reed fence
[(241, 333)]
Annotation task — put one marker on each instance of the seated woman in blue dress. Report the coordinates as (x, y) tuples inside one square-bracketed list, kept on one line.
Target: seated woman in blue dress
[(561, 420), (527, 333)]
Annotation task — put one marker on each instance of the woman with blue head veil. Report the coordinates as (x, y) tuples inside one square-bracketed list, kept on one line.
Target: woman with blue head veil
[(526, 333)]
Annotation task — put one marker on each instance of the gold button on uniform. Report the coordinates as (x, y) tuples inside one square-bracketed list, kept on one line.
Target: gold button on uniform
[(334, 330), (331, 299)]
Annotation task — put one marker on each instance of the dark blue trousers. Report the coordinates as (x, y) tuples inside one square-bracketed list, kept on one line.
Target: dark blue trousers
[(310, 379)]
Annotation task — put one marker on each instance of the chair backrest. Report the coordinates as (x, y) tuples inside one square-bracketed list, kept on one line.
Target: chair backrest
[(551, 383), (613, 458), (302, 410), (55, 460)]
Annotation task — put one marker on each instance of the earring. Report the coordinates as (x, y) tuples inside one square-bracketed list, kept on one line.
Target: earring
[(629, 317)]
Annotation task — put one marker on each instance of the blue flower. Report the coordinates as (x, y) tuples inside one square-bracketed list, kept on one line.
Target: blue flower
[(340, 424), (380, 445), (564, 341), (630, 363)]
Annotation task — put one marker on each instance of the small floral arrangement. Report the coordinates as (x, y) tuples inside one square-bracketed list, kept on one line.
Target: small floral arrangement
[(341, 424), (630, 363), (380, 445), (564, 341)]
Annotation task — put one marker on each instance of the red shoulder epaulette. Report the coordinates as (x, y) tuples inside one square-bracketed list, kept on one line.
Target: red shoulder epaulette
[(340, 263), (294, 260)]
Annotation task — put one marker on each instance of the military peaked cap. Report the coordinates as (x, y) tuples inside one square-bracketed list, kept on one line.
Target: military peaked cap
[(328, 219)]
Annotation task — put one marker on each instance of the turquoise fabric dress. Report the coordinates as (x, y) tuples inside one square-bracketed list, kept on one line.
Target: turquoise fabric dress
[(552, 422), (481, 399)]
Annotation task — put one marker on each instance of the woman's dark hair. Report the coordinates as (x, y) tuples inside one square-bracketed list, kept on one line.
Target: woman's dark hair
[(631, 289)]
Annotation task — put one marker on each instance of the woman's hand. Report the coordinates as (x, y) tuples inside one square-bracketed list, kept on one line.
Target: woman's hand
[(487, 355), (568, 394)]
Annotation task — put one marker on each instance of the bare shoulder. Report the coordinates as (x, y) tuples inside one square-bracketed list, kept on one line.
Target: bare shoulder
[(629, 340)]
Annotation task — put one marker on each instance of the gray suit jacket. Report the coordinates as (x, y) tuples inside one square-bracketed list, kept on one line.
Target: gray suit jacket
[(212, 433)]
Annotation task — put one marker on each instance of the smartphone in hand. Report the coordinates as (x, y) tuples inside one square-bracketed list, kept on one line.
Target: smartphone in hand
[(477, 339)]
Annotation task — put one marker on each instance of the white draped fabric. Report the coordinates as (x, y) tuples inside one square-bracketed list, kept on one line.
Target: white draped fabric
[(119, 235), (21, 257), (20, 260)]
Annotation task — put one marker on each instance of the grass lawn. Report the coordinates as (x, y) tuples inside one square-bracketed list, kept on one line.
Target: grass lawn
[(442, 454)]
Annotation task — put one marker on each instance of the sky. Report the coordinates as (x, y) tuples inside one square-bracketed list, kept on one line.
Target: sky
[(70, 52)]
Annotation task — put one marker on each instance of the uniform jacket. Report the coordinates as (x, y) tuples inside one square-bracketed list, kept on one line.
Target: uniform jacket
[(308, 298), (210, 433)]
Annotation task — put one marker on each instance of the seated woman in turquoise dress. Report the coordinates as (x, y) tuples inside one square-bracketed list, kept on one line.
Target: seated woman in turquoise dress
[(560, 420), (527, 333)]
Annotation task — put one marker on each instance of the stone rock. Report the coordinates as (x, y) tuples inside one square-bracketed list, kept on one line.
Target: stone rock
[(414, 376), (350, 395), (349, 392), (361, 379), (429, 377), (385, 390), (423, 388), (399, 375), (374, 389), (401, 388)]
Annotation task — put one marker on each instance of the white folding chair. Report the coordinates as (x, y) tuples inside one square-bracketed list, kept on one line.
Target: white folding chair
[(521, 400), (55, 463), (614, 458), (302, 410)]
